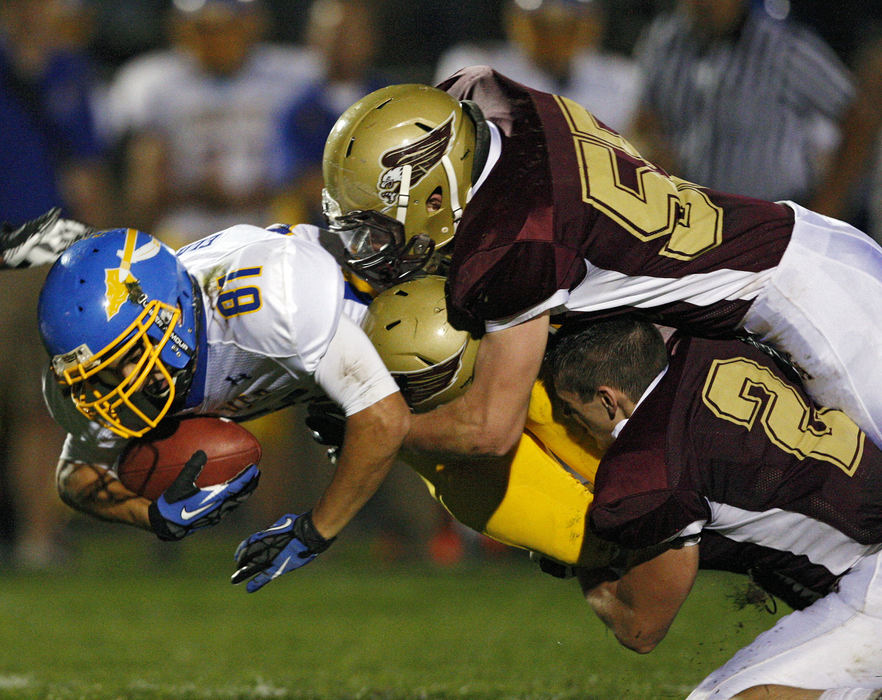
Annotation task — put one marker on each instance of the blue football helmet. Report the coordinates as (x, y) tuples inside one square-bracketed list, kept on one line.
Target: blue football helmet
[(118, 316)]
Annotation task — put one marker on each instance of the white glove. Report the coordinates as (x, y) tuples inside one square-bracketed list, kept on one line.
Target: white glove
[(40, 241)]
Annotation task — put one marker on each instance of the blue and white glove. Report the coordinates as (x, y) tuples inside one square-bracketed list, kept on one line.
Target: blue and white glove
[(184, 507), (40, 241), (289, 543)]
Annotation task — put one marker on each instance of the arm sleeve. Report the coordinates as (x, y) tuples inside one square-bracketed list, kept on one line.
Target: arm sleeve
[(351, 372), (650, 518), (559, 298)]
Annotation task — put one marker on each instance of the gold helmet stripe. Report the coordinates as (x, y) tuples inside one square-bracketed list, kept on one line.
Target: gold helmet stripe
[(403, 194), (115, 279)]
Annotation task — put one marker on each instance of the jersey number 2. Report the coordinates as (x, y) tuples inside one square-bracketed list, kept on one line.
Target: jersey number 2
[(740, 391)]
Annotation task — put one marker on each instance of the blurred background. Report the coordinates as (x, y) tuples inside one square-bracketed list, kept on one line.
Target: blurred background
[(184, 118)]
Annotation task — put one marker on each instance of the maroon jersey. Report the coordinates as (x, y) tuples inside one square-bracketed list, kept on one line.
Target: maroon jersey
[(725, 443), (570, 208)]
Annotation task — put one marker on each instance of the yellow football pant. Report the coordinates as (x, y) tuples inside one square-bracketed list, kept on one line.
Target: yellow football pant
[(527, 499)]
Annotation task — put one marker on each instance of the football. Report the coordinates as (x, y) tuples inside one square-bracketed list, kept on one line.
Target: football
[(150, 464)]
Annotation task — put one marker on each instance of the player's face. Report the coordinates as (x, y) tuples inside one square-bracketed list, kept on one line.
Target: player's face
[(591, 415), (156, 383), (220, 38)]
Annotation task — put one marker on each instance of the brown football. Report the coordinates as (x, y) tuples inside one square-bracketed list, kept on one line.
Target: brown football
[(150, 464)]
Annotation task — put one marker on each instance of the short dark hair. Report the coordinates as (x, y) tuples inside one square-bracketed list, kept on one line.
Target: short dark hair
[(623, 352)]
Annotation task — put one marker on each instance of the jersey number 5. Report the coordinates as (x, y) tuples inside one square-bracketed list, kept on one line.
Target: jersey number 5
[(637, 195)]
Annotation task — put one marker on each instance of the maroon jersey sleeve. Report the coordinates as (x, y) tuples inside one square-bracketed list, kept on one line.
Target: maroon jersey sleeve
[(518, 263), (642, 498), (566, 190)]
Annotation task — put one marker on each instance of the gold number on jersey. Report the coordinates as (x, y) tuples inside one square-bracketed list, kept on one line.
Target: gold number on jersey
[(637, 195), (741, 391), (238, 300)]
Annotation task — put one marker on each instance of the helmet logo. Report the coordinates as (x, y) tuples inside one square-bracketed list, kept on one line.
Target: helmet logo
[(421, 155), (120, 284)]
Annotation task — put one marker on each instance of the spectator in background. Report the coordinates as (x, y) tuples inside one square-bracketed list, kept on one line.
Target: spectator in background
[(852, 189), (557, 46), (870, 122), (49, 155), (49, 150), (738, 101), (195, 121), (343, 36)]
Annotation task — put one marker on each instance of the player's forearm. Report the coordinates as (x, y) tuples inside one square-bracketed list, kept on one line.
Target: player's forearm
[(488, 420), (625, 621), (373, 439), (640, 606), (355, 481), (94, 490), (461, 429)]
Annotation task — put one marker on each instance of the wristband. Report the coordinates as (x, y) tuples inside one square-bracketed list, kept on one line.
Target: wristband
[(304, 530), (159, 525)]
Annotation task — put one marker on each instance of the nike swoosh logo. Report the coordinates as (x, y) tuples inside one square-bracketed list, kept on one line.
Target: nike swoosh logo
[(281, 526), (281, 569), (190, 514), (211, 492)]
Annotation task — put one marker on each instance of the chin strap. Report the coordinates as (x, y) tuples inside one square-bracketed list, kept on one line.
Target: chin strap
[(482, 137)]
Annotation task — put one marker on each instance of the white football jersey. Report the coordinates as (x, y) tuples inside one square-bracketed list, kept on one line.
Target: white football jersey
[(275, 334)]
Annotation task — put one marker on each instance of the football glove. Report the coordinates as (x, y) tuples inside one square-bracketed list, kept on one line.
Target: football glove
[(289, 543), (40, 241), (327, 425), (184, 507)]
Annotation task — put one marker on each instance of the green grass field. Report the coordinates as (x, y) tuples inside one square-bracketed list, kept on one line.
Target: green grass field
[(117, 625)]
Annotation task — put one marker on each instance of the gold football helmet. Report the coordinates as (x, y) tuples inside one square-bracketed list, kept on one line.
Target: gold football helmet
[(432, 362), (398, 170)]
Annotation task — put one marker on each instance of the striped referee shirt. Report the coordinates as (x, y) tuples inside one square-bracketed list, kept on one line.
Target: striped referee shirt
[(751, 113)]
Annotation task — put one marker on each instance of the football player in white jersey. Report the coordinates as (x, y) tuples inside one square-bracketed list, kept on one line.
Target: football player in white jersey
[(238, 324)]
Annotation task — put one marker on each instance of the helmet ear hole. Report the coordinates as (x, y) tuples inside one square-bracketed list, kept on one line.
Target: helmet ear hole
[(432, 362)]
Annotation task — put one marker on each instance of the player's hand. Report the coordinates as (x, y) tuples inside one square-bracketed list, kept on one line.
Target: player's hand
[(184, 507), (40, 241), (289, 543)]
